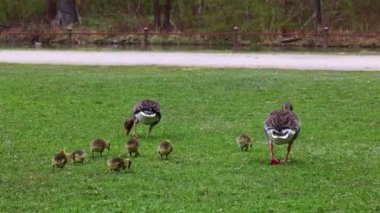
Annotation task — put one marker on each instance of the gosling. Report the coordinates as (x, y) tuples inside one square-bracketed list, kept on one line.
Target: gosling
[(132, 147), (99, 145), (77, 156), (118, 163), (244, 142), (59, 160), (165, 148)]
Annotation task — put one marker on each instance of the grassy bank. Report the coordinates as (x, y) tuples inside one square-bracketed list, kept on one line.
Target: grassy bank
[(334, 165)]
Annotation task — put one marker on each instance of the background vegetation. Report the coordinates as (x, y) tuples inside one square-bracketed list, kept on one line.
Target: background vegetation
[(334, 165), (209, 15)]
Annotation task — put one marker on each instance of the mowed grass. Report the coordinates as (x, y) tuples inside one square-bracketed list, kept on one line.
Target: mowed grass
[(334, 164)]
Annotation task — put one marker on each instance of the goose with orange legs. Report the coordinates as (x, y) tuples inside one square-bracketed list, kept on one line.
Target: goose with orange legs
[(147, 112), (282, 127)]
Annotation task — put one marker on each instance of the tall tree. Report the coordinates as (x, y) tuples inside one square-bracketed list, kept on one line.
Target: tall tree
[(134, 7), (51, 9), (318, 17), (166, 25), (157, 14)]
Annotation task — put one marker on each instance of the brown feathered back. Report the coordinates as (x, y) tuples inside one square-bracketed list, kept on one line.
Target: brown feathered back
[(147, 104), (59, 160), (283, 118), (100, 144), (165, 148), (118, 163), (243, 139), (132, 146), (133, 143), (166, 145), (77, 156)]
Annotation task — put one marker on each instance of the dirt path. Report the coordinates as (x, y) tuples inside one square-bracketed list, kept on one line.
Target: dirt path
[(305, 61)]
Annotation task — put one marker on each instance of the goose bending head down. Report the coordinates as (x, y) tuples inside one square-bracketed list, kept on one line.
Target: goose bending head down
[(282, 127), (146, 112)]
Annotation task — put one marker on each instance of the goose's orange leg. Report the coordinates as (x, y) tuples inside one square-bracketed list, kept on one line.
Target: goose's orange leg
[(287, 154), (273, 161)]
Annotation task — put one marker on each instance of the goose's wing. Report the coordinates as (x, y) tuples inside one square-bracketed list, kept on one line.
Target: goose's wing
[(147, 105), (282, 119)]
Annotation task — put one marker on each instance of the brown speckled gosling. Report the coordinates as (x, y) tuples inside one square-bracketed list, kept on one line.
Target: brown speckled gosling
[(98, 145), (118, 163), (165, 148), (59, 160), (77, 156), (132, 146), (244, 142)]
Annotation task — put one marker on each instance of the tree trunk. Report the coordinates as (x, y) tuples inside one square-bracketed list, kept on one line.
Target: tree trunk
[(136, 8), (286, 9), (67, 13), (318, 17), (200, 7), (166, 25), (157, 14), (51, 9)]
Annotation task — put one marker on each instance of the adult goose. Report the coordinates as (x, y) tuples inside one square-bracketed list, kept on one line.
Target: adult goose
[(282, 127), (146, 112)]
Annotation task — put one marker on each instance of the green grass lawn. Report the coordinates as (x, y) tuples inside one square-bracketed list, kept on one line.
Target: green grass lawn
[(334, 165)]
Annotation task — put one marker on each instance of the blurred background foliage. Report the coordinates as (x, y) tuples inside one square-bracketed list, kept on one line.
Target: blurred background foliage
[(207, 15)]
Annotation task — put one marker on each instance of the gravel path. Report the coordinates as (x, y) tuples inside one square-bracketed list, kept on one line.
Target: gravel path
[(341, 62)]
